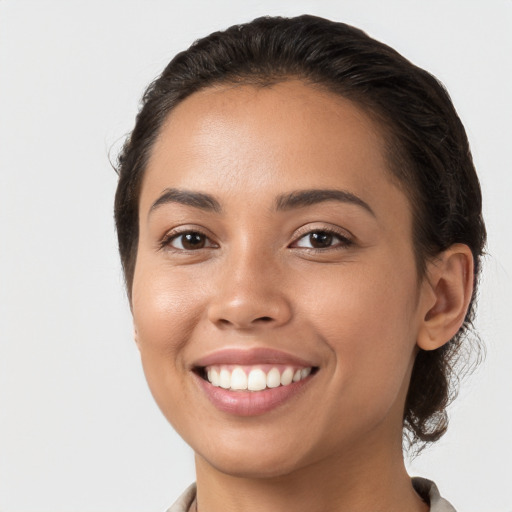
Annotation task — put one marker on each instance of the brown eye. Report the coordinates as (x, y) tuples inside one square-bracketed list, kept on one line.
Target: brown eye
[(193, 241), (322, 240), (189, 241)]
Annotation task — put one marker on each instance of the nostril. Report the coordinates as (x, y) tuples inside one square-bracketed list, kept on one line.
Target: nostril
[(247, 310), (244, 324), (264, 319)]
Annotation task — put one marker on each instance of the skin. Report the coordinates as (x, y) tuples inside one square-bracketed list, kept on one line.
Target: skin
[(358, 310)]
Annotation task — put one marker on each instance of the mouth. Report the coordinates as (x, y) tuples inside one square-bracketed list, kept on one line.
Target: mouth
[(251, 382), (253, 378)]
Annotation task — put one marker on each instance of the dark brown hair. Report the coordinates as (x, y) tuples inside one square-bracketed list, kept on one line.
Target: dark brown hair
[(427, 145)]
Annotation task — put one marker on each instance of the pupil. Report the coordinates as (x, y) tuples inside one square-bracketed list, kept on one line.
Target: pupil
[(321, 239), (193, 241)]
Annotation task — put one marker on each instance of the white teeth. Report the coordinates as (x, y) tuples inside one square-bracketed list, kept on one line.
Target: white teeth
[(273, 378), (225, 379), (305, 372), (237, 379), (287, 377), (257, 380), (213, 377)]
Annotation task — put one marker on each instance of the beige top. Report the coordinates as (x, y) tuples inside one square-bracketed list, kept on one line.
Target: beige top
[(425, 488)]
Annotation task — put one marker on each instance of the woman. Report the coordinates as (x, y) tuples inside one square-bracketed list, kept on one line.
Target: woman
[(300, 227)]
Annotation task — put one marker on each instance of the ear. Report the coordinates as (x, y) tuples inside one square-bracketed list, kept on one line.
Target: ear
[(446, 294)]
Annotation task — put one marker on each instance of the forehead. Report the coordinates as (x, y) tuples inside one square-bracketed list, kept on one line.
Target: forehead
[(259, 139)]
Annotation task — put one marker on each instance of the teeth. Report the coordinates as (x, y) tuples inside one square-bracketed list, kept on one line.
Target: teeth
[(287, 377), (236, 378), (225, 379), (273, 378), (257, 380), (305, 372), (213, 377)]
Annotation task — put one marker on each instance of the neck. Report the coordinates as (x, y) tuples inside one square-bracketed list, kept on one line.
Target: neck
[(362, 480)]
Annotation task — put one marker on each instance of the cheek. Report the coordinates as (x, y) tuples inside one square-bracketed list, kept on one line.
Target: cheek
[(165, 311), (361, 297), (367, 318), (165, 308)]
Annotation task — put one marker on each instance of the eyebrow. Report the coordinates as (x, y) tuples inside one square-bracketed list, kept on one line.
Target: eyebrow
[(284, 202), (304, 198), (188, 198)]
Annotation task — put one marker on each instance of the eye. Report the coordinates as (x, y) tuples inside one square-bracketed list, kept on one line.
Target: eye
[(322, 239), (187, 241)]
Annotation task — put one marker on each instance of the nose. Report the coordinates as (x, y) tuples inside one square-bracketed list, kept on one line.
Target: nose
[(250, 294)]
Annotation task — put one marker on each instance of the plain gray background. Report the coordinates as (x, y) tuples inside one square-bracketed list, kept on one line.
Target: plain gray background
[(78, 428)]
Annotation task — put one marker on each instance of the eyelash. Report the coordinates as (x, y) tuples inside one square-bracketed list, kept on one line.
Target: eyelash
[(170, 237), (343, 240)]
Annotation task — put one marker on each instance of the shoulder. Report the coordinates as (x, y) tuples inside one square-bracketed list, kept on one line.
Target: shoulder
[(430, 493), (182, 504)]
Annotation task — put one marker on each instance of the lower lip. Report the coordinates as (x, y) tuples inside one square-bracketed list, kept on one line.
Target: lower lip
[(251, 403)]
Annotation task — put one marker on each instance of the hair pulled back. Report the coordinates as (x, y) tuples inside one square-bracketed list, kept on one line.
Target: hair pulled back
[(428, 154)]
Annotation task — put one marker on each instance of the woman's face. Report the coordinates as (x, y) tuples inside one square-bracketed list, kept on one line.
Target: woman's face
[(275, 253)]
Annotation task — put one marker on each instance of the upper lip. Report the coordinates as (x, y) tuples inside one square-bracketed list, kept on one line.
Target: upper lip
[(251, 356)]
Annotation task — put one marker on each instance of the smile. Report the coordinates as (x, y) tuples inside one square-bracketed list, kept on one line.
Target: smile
[(254, 381), (254, 378)]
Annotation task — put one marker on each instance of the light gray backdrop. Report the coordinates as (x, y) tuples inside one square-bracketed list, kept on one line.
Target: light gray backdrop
[(78, 428)]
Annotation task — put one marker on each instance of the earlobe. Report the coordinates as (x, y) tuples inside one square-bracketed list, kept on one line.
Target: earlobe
[(448, 287)]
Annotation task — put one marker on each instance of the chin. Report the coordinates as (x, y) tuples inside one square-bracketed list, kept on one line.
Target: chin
[(252, 460), (239, 466)]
